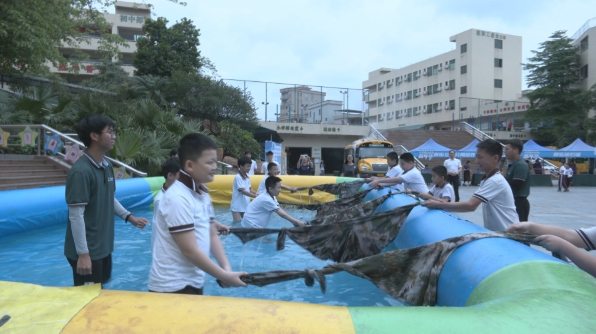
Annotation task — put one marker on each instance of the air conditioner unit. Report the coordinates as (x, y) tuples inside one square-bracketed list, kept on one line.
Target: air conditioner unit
[(446, 65), (447, 85), (440, 66), (424, 72), (424, 110), (439, 108), (398, 79)]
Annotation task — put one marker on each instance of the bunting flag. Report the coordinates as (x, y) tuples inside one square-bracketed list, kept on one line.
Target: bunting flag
[(53, 143), (4, 138), (120, 173), (73, 153), (28, 137), (409, 275)]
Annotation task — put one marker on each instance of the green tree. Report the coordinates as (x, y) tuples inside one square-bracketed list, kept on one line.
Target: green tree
[(203, 97), (554, 111), (32, 32), (235, 141), (166, 50)]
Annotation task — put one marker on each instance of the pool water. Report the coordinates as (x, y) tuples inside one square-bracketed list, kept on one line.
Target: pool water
[(37, 257)]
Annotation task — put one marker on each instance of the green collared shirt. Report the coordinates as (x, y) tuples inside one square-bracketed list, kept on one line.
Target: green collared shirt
[(519, 170), (91, 184)]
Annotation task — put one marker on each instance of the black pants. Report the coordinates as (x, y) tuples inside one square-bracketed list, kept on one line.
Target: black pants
[(188, 290), (101, 271), (454, 180), (522, 206)]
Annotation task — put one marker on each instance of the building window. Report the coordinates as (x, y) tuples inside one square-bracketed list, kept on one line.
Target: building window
[(452, 64), (429, 71), (429, 90), (463, 108), (498, 83), (583, 72), (409, 77), (464, 48), (583, 45), (498, 62), (435, 88), (452, 84), (498, 43), (464, 69), (452, 105), (463, 90), (435, 69)]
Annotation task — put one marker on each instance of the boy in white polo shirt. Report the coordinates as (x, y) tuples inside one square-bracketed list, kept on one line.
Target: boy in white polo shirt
[(411, 177), (258, 213), (272, 170), (241, 191), (498, 208), (394, 171), (184, 232), (441, 190)]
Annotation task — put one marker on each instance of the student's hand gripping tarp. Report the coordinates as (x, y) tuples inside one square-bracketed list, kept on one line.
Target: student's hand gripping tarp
[(340, 241), (410, 275)]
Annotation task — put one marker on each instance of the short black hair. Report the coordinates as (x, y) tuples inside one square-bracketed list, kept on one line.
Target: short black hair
[(192, 146), (271, 182), (440, 170), (516, 144), (451, 151), (392, 156), (171, 165), (270, 166), (269, 153), (173, 152), (247, 152), (92, 124), (407, 157), (491, 146), (243, 160)]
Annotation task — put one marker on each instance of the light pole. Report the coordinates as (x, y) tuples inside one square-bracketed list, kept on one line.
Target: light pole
[(343, 96), (265, 104), (303, 112)]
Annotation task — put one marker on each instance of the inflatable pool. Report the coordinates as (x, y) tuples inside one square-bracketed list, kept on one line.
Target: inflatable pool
[(488, 285)]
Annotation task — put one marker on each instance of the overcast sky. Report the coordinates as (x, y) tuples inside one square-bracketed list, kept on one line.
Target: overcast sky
[(337, 43)]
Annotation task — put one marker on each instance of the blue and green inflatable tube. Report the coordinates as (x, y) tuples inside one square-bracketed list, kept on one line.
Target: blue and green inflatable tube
[(488, 285)]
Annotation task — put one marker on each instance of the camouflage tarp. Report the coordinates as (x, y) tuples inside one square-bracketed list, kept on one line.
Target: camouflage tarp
[(343, 189), (329, 208), (346, 213), (340, 241), (410, 275)]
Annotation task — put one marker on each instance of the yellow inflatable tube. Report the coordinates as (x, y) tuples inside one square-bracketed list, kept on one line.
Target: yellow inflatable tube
[(221, 188), (87, 309)]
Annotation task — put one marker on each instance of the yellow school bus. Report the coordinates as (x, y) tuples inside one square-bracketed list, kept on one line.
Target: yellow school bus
[(370, 156)]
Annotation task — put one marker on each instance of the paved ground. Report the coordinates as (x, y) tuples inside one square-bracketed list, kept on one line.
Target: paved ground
[(571, 210)]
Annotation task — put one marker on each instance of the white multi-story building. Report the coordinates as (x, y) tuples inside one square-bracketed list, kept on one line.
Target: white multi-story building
[(327, 112), (295, 102), (481, 79), (127, 21), (583, 38)]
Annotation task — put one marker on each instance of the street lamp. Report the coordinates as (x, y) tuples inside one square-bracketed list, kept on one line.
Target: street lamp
[(303, 112), (265, 104), (344, 103)]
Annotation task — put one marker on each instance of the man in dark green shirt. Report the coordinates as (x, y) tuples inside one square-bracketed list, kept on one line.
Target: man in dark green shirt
[(518, 177), (90, 189)]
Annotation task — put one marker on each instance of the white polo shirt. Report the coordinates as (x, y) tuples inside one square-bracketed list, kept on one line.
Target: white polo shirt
[(258, 213), (444, 192), (588, 235), (414, 181), (239, 200), (181, 209), (396, 171), (452, 165), (262, 188), (569, 172), (156, 202), (253, 168), (498, 206), (563, 170), (264, 166)]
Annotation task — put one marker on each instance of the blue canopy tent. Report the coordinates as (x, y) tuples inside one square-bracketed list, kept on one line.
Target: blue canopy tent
[(534, 151), (430, 150), (469, 151), (577, 149)]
